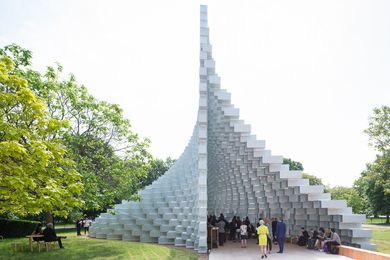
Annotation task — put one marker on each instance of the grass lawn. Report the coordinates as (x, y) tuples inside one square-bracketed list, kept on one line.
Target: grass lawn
[(381, 237), (376, 221), (85, 248)]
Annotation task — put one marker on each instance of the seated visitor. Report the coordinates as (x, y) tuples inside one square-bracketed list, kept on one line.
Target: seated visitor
[(50, 235), (320, 238), (333, 241), (37, 231), (303, 238), (312, 240)]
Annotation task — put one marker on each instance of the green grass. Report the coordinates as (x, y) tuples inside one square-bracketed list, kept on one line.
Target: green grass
[(376, 221), (381, 237), (85, 248)]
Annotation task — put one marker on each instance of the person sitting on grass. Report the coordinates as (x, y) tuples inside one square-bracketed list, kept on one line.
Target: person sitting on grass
[(50, 235)]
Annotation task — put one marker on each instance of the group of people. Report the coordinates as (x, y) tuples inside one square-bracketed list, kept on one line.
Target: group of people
[(321, 239), (266, 232), (49, 234), (83, 223)]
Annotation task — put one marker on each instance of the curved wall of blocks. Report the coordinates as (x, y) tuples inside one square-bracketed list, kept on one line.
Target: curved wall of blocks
[(225, 169)]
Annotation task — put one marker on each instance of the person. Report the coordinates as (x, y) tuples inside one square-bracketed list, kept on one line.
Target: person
[(49, 235), (312, 240), (257, 226), (262, 232), (233, 224), (320, 238), (281, 234), (221, 231), (269, 240), (38, 231), (303, 238), (244, 233), (238, 236), (78, 227), (333, 241), (86, 223), (274, 223)]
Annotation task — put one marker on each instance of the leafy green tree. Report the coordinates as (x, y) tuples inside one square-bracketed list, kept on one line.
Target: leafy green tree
[(352, 196), (313, 180), (36, 173), (294, 165), (379, 129), (297, 166), (109, 156), (375, 184), (157, 169)]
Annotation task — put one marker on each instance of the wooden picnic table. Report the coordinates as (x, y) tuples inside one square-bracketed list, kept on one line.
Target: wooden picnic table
[(30, 240)]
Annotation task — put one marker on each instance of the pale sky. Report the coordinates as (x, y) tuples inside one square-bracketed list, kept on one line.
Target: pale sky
[(305, 74)]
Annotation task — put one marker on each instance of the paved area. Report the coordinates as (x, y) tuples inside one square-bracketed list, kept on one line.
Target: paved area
[(234, 251)]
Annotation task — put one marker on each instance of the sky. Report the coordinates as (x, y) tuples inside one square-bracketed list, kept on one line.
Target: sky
[(305, 74)]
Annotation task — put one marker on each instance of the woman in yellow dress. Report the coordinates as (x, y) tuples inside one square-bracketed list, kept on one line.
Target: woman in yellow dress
[(262, 232)]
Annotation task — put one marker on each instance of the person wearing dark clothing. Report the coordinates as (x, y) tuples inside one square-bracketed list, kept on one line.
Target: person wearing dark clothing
[(274, 223), (239, 223), (312, 240), (78, 226), (221, 231), (233, 227), (37, 231), (50, 235), (303, 238), (280, 235)]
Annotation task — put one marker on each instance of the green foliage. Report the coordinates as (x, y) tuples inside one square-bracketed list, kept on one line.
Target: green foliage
[(375, 184), (109, 156), (157, 169), (20, 56), (36, 173), (297, 166), (294, 165), (313, 180), (16, 228), (379, 129), (352, 196)]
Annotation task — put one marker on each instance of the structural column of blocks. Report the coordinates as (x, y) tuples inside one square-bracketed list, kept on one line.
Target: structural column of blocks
[(225, 169)]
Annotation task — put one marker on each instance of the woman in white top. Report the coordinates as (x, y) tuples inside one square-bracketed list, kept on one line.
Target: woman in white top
[(244, 233)]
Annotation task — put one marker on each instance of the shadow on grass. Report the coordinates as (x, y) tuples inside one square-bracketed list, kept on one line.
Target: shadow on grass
[(86, 248), (72, 251)]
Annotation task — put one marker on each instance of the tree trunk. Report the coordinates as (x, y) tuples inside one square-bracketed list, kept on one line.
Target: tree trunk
[(49, 218), (387, 219)]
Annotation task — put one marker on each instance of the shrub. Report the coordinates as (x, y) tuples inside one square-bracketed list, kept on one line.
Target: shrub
[(16, 228)]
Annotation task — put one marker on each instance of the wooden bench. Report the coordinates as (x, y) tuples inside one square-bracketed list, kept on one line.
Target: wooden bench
[(17, 246)]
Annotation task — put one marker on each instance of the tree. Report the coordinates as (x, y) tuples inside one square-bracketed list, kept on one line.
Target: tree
[(157, 169), (375, 184), (110, 157), (294, 165), (352, 196), (379, 129), (313, 180), (36, 173)]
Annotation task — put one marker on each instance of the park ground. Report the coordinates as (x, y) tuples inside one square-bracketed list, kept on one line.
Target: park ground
[(82, 247)]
